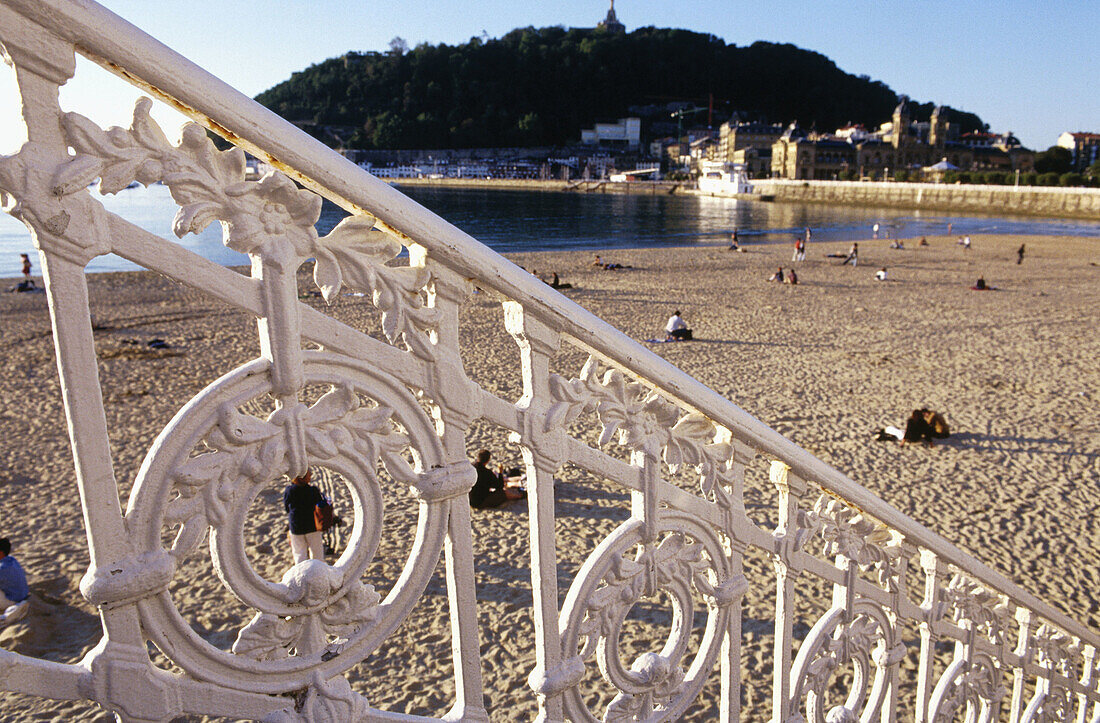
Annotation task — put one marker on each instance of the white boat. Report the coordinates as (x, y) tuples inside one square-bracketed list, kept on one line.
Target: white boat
[(725, 179)]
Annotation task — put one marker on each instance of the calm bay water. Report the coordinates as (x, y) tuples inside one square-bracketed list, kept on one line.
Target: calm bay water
[(533, 221)]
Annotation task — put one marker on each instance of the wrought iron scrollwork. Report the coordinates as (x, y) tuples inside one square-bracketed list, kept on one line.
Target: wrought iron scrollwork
[(688, 560)]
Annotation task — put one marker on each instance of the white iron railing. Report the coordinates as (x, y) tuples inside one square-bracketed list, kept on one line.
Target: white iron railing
[(894, 582)]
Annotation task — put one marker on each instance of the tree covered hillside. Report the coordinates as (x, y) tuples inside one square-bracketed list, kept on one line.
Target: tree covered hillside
[(541, 86)]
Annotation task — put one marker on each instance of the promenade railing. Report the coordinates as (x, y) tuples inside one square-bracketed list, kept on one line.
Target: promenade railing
[(905, 603)]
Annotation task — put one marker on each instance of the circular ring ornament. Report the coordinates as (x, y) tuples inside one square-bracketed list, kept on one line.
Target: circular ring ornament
[(686, 558), (867, 641), (978, 685), (314, 603)]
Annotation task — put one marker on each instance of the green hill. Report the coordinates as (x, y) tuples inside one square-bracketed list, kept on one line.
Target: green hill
[(542, 86)]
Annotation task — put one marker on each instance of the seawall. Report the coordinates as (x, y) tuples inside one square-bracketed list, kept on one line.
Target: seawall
[(1025, 200), (635, 187), (1001, 200)]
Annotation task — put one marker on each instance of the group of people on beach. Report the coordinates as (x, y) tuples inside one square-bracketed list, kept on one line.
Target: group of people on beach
[(789, 278)]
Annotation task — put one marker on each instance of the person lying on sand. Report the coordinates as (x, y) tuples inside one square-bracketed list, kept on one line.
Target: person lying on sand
[(923, 425)]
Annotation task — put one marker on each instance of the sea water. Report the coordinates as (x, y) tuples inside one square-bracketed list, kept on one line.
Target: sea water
[(539, 221)]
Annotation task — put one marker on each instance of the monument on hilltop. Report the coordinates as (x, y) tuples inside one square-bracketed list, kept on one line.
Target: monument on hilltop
[(611, 23)]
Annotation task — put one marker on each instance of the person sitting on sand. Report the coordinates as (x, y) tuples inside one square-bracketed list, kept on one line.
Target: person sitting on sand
[(792, 278), (880, 275), (777, 276), (733, 242), (897, 244), (923, 241), (300, 499), (676, 328), (555, 283), (936, 423), (491, 489), (980, 285), (598, 261), (853, 254), (917, 429), (13, 581)]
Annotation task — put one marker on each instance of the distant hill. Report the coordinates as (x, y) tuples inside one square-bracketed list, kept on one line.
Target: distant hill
[(537, 87)]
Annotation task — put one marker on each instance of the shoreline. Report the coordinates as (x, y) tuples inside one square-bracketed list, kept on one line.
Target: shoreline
[(1026, 201)]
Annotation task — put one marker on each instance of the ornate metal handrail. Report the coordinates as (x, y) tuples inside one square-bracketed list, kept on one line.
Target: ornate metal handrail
[(213, 458)]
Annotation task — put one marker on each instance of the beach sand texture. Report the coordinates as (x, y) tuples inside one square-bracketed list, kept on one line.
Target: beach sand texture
[(825, 362)]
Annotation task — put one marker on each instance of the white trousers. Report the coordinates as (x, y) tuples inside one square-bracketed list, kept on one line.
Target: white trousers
[(306, 546)]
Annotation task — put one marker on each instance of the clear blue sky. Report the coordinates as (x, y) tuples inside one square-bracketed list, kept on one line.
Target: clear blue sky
[(1023, 65)]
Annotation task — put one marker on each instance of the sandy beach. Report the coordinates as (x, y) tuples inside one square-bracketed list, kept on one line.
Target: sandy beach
[(1015, 371)]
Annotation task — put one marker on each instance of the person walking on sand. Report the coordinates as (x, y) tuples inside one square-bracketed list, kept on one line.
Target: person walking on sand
[(26, 267), (853, 255), (733, 242), (874, 231), (1020, 255), (799, 249), (300, 499)]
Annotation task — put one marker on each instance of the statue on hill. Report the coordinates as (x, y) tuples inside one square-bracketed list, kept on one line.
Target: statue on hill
[(611, 23)]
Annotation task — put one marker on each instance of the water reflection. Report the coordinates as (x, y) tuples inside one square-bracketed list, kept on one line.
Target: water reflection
[(531, 221)]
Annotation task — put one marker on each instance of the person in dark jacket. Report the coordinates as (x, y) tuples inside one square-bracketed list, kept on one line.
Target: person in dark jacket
[(300, 499), (490, 489), (917, 429)]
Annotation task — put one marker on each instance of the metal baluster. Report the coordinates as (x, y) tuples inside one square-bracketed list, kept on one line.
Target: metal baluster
[(731, 647), (932, 610), (543, 454), (1025, 651), (791, 489), (456, 399), (1088, 682)]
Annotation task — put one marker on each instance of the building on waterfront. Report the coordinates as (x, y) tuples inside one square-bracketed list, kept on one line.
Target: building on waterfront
[(611, 23), (1085, 148), (898, 145), (749, 145), (624, 133)]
